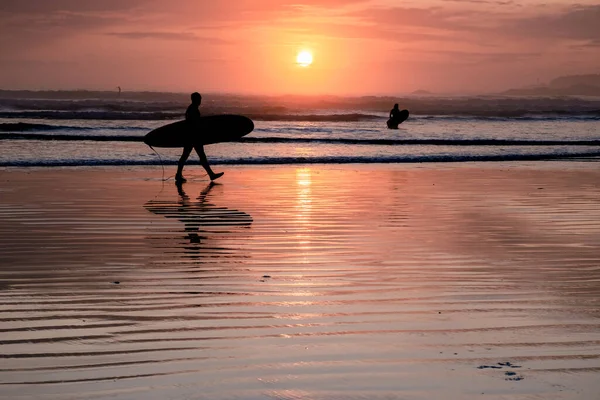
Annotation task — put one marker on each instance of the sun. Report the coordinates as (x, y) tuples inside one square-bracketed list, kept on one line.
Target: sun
[(304, 58)]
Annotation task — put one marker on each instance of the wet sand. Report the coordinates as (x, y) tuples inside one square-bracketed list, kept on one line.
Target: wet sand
[(291, 282)]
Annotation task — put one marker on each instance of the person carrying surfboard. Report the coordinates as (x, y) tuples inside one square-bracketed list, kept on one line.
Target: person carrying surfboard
[(192, 116), (394, 113), (397, 116)]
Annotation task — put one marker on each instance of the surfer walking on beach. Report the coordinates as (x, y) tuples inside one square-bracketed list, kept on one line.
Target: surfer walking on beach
[(192, 116)]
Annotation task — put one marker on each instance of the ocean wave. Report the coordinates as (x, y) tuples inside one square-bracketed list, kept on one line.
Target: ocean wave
[(131, 105), (409, 159), (84, 105), (26, 127), (165, 115), (351, 117), (92, 115), (320, 129), (525, 117), (343, 141), (337, 117), (61, 137), (431, 142)]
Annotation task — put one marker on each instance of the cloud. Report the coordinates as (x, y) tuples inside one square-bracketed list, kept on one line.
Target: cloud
[(577, 22), (423, 36), (52, 18), (475, 17), (586, 45), (432, 18), (180, 36), (592, 43), (475, 58), (486, 2), (242, 13), (363, 31), (31, 7)]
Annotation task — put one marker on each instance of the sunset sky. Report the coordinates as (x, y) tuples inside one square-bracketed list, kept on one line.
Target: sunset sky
[(250, 46)]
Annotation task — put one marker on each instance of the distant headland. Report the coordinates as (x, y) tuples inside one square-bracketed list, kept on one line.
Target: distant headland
[(571, 85)]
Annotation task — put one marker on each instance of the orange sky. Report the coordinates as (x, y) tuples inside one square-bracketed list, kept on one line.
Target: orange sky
[(249, 46)]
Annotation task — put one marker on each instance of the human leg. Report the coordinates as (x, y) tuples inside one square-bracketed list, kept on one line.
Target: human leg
[(204, 162), (184, 156)]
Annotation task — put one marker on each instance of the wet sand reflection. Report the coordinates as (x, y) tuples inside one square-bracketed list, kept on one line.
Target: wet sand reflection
[(199, 216)]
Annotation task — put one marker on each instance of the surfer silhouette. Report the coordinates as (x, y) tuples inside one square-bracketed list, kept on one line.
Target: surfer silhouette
[(192, 116), (397, 116), (394, 113)]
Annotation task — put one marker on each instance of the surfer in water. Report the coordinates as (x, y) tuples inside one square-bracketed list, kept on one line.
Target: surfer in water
[(397, 117), (192, 116), (395, 113)]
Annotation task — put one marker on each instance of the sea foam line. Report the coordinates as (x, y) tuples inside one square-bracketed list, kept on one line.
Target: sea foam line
[(589, 156), (377, 142)]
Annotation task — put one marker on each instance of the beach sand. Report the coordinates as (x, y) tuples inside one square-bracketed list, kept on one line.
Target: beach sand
[(433, 281)]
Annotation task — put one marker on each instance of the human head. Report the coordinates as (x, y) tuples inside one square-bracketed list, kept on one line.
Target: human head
[(396, 105), (196, 98)]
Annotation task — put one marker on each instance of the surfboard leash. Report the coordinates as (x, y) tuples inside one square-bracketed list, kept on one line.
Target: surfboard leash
[(163, 167), (161, 164)]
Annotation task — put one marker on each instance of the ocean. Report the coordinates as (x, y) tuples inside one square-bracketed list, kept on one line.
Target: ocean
[(96, 128)]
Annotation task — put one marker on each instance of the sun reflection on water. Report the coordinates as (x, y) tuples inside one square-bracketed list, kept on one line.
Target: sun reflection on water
[(303, 207)]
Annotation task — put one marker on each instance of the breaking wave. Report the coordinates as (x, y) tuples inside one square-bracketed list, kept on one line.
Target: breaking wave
[(343, 141), (317, 160), (161, 106)]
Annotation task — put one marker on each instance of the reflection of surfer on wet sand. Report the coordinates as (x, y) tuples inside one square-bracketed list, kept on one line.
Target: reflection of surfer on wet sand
[(198, 215)]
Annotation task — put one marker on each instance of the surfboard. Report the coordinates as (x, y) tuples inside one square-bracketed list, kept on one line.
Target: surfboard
[(402, 116), (211, 129)]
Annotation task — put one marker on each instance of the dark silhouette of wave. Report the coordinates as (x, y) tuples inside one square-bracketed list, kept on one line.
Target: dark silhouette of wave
[(27, 127), (344, 141), (351, 117), (62, 137), (524, 115), (590, 156), (92, 115), (548, 116), (431, 142), (157, 106), (169, 115)]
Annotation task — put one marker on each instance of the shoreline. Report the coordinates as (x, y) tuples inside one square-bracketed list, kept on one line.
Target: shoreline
[(576, 163)]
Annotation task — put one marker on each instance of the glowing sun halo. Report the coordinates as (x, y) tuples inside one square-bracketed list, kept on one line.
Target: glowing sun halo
[(304, 58)]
